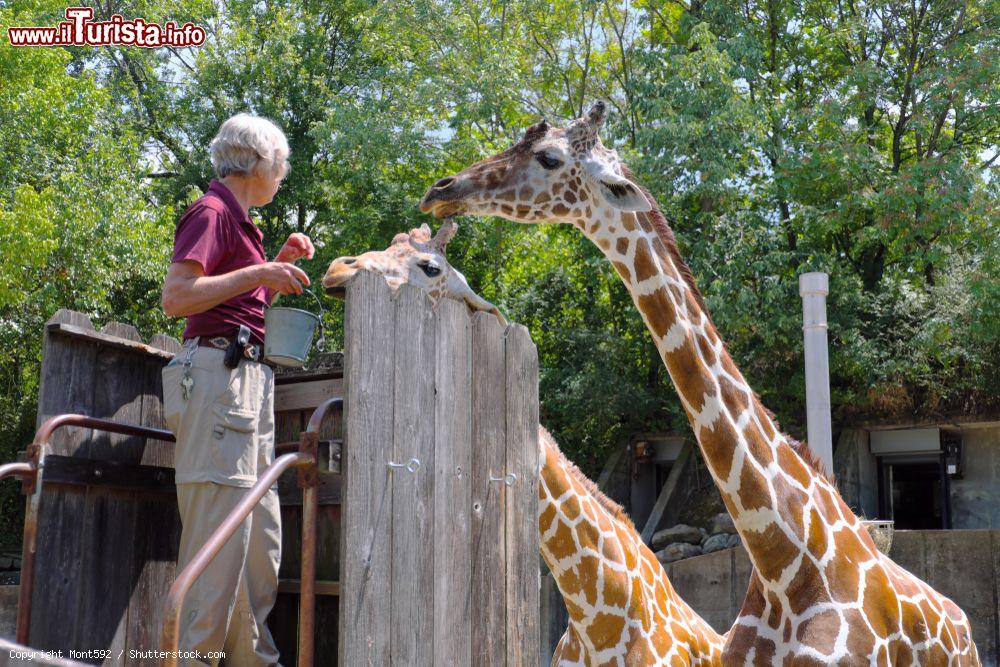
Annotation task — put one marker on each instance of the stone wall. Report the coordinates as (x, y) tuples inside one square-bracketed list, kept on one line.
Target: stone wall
[(856, 472), (975, 498), (962, 564)]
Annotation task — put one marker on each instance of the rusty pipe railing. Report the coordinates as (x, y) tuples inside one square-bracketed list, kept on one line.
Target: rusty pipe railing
[(50, 425), (309, 481), (33, 487), (8, 469), (26, 469)]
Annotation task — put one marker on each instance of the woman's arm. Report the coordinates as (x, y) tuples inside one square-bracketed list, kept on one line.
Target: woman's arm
[(188, 291)]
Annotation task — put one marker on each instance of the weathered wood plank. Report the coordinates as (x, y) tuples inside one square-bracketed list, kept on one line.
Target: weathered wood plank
[(108, 474), (611, 466), (66, 385), (105, 577), (412, 584), (453, 486), (67, 381), (166, 343), (283, 622), (322, 587), (677, 471), (306, 395), (118, 393), (521, 513), (59, 556), (328, 537), (155, 452), (368, 430), (119, 387), (86, 333), (554, 617), (291, 543), (156, 536), (489, 425)]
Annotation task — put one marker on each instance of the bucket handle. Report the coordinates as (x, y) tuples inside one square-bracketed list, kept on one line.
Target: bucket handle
[(321, 343)]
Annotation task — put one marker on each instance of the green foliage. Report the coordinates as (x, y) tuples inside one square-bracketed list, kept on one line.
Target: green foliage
[(778, 137)]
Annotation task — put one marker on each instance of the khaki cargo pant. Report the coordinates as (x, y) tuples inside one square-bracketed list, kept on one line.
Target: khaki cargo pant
[(225, 436)]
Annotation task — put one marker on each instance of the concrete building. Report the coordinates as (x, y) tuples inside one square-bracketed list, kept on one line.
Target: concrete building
[(923, 476)]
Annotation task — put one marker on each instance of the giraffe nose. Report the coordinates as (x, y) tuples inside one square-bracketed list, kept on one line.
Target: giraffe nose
[(444, 183)]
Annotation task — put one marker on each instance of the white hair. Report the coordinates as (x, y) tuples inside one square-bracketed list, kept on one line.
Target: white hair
[(249, 146)]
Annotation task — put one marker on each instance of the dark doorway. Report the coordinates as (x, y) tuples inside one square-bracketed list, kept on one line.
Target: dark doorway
[(914, 492)]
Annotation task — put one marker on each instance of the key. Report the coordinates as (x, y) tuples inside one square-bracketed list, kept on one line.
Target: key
[(187, 384)]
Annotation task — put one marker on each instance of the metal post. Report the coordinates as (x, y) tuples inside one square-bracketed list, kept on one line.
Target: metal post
[(813, 288), (308, 481)]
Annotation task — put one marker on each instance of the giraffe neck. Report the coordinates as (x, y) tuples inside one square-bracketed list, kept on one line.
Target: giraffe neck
[(764, 483), (580, 543), (619, 599)]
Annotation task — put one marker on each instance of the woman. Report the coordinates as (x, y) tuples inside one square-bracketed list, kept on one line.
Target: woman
[(223, 412)]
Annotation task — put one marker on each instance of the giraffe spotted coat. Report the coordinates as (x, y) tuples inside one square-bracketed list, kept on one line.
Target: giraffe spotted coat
[(821, 592)]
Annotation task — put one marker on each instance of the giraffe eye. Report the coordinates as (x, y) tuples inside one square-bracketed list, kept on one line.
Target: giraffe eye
[(429, 269), (547, 160)]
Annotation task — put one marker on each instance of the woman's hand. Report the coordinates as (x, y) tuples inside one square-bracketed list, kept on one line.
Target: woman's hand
[(283, 277), (296, 247)]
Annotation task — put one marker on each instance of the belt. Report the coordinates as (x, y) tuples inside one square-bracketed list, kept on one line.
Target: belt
[(250, 351)]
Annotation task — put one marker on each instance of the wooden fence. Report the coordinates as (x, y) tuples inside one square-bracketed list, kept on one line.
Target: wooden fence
[(434, 566), (439, 560), (108, 526)]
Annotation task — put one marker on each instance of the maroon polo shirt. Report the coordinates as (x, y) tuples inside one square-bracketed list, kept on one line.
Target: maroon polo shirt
[(215, 232)]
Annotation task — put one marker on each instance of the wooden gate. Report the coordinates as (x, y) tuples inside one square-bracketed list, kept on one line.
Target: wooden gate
[(439, 548)]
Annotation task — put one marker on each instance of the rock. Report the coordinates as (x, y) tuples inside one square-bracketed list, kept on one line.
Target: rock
[(734, 541), (7, 578), (723, 523), (678, 533), (716, 543), (678, 551)]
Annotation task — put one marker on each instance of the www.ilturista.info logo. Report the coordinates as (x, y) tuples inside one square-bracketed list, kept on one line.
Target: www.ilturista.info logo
[(79, 30)]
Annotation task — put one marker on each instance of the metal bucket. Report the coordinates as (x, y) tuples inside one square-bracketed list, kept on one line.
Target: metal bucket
[(288, 334), (881, 532)]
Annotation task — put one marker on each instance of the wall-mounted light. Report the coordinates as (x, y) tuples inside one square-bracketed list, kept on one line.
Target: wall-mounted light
[(951, 445)]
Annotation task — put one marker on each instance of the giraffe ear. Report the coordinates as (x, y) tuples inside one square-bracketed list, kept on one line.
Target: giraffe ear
[(619, 191), (597, 113), (625, 196), (401, 237)]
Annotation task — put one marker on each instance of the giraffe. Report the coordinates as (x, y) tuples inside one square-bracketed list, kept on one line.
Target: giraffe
[(821, 592), (622, 608)]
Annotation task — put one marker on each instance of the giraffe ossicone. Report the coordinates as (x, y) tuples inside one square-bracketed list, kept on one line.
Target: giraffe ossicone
[(821, 592), (622, 608)]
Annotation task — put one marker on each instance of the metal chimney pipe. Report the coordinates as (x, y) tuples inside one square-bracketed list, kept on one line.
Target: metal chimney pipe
[(813, 288)]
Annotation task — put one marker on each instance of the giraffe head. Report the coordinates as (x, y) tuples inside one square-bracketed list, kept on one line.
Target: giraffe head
[(551, 175), (415, 258)]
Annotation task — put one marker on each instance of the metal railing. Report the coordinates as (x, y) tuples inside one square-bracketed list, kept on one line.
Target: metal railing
[(305, 459)]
